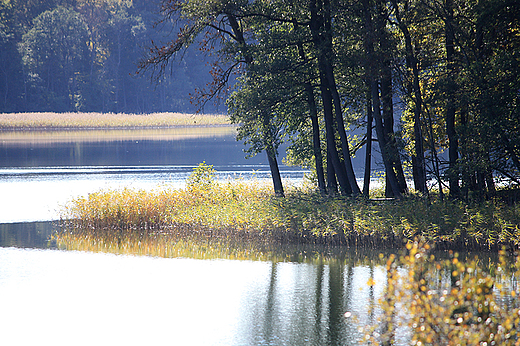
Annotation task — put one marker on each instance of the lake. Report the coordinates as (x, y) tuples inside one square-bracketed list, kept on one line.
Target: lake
[(62, 297)]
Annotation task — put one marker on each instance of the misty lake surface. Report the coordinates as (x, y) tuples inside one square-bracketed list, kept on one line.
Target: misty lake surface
[(51, 296)]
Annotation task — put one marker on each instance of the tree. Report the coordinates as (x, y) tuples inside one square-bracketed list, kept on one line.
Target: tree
[(11, 78), (224, 22), (55, 53)]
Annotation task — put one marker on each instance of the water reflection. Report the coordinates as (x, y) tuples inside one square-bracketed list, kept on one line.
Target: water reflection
[(125, 300), (27, 234), (130, 149)]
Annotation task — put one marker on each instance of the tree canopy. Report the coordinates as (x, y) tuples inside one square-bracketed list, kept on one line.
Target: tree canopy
[(438, 81), (82, 55), (434, 84)]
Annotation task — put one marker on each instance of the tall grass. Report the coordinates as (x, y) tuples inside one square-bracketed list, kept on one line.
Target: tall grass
[(106, 120), (448, 224)]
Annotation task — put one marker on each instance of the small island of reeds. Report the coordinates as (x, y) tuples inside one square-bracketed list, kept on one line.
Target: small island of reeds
[(248, 209)]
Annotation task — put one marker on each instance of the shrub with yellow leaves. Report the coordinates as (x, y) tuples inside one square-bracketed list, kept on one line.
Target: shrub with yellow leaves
[(448, 302)]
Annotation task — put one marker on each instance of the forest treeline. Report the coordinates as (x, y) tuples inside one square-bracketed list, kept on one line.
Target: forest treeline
[(81, 55), (436, 83)]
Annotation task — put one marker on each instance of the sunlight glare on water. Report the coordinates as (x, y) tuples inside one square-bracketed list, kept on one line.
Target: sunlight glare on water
[(79, 298), (38, 194), (75, 298)]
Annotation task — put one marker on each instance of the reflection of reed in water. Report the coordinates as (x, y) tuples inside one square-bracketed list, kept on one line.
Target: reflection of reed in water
[(203, 243), (103, 135)]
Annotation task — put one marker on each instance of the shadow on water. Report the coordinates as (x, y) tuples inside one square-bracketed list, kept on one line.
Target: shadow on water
[(28, 235)]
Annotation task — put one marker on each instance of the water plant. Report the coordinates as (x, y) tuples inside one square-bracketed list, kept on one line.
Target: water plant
[(428, 301)]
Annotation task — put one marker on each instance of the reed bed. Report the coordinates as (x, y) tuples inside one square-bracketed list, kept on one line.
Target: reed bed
[(49, 120), (248, 210), (457, 225)]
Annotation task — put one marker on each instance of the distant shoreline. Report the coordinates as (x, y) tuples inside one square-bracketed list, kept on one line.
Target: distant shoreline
[(107, 128), (49, 121)]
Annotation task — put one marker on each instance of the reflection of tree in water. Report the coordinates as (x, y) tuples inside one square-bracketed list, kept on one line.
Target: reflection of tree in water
[(319, 299)]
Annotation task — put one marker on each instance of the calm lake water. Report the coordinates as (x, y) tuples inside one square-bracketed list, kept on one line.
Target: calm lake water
[(51, 296)]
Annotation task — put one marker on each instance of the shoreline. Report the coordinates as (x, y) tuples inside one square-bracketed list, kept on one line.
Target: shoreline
[(94, 120), (106, 128), (237, 209)]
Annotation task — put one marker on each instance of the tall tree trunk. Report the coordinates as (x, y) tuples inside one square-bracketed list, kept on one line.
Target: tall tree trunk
[(316, 143), (387, 97), (368, 147), (339, 166), (415, 93), (268, 136), (332, 183), (317, 26), (376, 103), (271, 155), (453, 143), (275, 172), (343, 136), (329, 73), (388, 126)]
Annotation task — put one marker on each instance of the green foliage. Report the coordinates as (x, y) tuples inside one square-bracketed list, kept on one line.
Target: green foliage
[(55, 52), (82, 56), (202, 177)]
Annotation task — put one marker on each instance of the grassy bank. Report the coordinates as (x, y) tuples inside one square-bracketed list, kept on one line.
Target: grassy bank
[(237, 209), (26, 121)]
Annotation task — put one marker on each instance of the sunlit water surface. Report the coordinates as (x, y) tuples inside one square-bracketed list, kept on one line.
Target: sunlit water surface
[(77, 298), (38, 194)]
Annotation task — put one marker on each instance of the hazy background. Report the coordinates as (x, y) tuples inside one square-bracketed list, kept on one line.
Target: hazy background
[(82, 55)]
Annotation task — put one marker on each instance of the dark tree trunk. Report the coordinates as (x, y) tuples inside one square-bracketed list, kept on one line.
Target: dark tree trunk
[(453, 143), (387, 98), (271, 155), (268, 136), (376, 103), (316, 143), (332, 183), (388, 126), (275, 172), (368, 148), (339, 167), (390, 173), (323, 48), (415, 93)]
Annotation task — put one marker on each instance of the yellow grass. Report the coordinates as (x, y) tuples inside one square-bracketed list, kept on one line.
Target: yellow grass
[(107, 120)]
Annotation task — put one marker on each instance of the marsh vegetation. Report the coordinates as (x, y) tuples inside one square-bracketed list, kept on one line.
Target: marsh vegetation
[(240, 208), (74, 120)]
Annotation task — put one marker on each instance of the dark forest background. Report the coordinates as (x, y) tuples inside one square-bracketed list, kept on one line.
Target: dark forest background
[(82, 55)]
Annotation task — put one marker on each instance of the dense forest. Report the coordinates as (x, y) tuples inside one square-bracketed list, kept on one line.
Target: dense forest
[(436, 83), (82, 55)]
